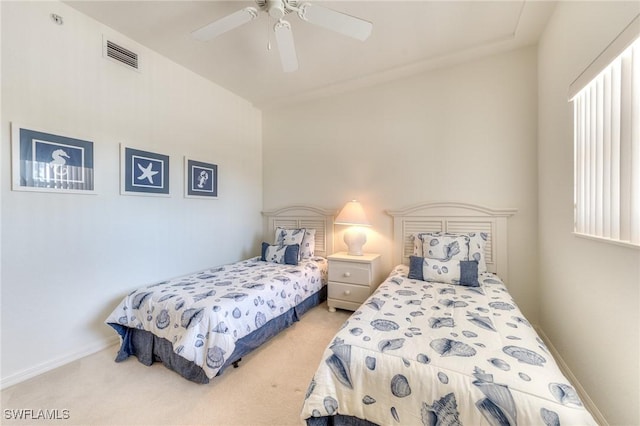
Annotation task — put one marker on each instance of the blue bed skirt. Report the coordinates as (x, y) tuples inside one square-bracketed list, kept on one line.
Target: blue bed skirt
[(149, 348), (338, 420)]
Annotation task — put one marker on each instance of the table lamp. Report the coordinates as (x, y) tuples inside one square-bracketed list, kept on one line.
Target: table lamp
[(353, 215)]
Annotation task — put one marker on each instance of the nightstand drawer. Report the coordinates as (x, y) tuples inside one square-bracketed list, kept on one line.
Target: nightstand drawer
[(350, 272), (352, 279), (348, 292)]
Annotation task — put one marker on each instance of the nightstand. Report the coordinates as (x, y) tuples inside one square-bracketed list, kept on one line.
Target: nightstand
[(352, 279)]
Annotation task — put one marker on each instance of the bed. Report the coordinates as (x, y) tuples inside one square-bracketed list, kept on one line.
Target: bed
[(201, 323), (427, 348)]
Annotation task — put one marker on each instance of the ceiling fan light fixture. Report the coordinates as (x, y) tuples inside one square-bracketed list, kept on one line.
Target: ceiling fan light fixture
[(275, 8)]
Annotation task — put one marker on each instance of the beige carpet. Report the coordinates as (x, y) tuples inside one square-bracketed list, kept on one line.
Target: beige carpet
[(267, 389)]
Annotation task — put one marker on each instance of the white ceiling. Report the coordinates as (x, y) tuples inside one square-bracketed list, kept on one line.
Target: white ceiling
[(408, 37)]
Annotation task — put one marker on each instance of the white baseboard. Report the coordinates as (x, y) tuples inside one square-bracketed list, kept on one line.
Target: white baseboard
[(588, 402), (28, 373)]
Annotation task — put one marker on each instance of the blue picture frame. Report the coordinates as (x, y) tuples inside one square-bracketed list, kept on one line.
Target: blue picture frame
[(49, 162), (144, 172), (201, 179)]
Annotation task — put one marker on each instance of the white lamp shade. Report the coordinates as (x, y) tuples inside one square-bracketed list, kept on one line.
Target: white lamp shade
[(353, 214)]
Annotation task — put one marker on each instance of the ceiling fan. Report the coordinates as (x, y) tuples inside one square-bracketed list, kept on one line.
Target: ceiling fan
[(324, 17)]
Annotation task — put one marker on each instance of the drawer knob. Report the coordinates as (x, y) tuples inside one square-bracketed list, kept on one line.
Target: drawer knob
[(347, 274), (347, 292)]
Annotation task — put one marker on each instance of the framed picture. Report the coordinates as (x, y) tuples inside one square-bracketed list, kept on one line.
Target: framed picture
[(143, 172), (43, 161), (201, 179)]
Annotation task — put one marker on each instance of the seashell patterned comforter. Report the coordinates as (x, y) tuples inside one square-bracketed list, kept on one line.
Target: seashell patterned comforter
[(204, 314), (421, 353)]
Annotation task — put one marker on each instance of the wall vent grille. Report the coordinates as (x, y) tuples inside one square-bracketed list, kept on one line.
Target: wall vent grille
[(121, 54)]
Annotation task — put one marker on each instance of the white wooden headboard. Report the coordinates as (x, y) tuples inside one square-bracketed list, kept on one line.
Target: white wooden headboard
[(303, 216), (453, 217)]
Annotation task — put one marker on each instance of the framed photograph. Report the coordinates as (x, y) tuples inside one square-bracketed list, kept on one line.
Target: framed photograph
[(44, 161), (201, 179), (143, 172)]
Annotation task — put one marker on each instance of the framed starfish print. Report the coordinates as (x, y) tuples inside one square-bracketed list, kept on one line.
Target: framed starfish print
[(143, 172), (201, 179), (44, 161)]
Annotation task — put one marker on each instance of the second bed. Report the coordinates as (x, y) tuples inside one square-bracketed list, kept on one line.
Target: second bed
[(201, 323), (432, 348)]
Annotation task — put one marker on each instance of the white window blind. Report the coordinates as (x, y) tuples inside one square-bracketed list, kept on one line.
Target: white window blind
[(607, 151)]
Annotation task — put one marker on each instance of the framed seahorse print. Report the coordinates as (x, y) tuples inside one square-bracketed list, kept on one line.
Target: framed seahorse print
[(201, 179), (44, 161)]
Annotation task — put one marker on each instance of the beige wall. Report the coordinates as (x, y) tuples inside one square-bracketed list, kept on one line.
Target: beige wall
[(465, 133), (67, 259), (495, 131), (589, 291)]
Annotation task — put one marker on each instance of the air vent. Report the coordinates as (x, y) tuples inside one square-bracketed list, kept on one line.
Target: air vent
[(120, 54)]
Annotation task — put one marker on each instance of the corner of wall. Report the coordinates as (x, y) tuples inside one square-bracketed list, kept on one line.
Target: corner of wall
[(588, 402)]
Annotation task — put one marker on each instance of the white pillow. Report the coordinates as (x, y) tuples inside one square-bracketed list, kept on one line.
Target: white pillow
[(417, 243), (477, 243), (442, 256), (308, 246), (304, 237), (285, 237)]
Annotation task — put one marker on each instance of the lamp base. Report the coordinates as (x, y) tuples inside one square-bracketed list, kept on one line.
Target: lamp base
[(355, 238)]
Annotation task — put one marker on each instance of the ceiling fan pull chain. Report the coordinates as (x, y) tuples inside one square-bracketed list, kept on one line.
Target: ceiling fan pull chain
[(268, 32)]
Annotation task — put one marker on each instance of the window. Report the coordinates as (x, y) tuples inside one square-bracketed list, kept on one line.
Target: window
[(607, 144)]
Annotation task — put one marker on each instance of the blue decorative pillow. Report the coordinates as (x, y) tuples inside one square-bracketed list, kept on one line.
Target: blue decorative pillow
[(425, 269), (286, 254), (415, 268), (469, 273)]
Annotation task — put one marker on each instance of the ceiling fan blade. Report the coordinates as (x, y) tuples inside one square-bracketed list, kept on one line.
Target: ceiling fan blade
[(336, 21), (225, 24), (284, 38)]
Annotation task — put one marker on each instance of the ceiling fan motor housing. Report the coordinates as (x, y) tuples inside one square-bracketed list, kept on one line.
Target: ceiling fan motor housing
[(278, 8), (275, 8)]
